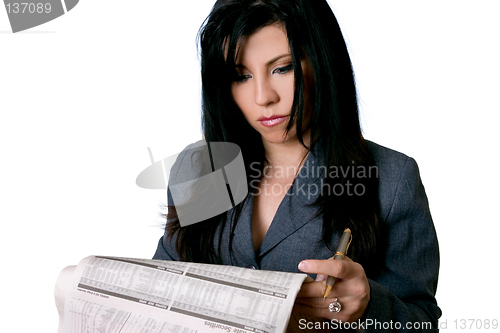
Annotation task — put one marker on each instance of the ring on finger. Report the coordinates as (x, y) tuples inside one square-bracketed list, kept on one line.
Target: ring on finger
[(335, 306)]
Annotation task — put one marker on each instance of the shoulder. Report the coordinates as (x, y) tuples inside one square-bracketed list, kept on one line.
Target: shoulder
[(386, 158), (409, 243), (398, 176), (392, 165)]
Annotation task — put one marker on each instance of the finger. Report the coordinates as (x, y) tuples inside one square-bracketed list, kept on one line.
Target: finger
[(346, 258), (341, 288), (321, 277), (351, 310), (321, 312), (308, 279), (310, 311), (342, 269), (313, 289), (315, 302), (324, 277)]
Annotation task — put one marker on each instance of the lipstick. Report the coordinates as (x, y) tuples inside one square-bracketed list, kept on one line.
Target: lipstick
[(272, 121)]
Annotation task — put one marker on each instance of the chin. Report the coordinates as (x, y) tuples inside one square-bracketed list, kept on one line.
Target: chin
[(278, 138)]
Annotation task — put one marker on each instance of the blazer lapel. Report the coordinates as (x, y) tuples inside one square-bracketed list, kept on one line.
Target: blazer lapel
[(243, 250), (295, 210)]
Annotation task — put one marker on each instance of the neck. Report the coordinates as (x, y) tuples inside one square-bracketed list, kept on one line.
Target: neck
[(287, 153)]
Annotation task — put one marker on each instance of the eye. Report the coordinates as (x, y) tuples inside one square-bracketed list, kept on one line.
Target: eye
[(241, 78), (283, 70)]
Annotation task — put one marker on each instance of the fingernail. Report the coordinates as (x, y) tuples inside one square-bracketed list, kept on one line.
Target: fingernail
[(303, 265), (320, 277)]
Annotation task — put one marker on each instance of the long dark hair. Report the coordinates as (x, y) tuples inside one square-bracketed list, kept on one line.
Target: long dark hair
[(312, 31)]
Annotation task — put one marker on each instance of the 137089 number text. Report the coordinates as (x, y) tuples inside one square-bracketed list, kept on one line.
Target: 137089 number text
[(28, 7)]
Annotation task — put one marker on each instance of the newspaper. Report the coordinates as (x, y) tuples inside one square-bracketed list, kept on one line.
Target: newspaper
[(111, 294)]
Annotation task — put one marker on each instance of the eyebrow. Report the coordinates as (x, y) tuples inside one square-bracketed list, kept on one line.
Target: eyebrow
[(270, 62)]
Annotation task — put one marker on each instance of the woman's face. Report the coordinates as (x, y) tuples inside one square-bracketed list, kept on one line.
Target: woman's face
[(265, 84)]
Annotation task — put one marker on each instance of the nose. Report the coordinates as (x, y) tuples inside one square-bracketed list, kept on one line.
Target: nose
[(265, 94)]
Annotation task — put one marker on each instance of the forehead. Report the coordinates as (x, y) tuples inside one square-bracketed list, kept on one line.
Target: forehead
[(263, 45)]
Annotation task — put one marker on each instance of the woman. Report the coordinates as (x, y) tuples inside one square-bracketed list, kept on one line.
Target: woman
[(277, 80)]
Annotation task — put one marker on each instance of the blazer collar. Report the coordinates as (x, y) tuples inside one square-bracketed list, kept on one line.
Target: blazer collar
[(294, 211)]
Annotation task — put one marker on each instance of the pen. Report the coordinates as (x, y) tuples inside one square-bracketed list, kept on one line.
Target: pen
[(345, 240)]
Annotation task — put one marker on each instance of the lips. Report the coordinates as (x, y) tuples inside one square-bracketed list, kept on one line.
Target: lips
[(272, 121)]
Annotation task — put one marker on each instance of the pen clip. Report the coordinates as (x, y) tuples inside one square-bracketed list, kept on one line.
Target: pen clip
[(347, 248)]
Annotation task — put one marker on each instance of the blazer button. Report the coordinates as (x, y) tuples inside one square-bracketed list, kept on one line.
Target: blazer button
[(250, 266)]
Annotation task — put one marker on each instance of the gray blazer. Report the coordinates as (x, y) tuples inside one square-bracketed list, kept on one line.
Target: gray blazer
[(404, 289)]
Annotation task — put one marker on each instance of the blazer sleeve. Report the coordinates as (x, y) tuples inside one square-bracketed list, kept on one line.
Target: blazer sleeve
[(403, 292)]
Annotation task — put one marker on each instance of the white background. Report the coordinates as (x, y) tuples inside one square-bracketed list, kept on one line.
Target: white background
[(83, 96)]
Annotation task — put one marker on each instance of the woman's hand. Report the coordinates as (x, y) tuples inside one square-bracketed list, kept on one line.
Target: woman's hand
[(351, 290)]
